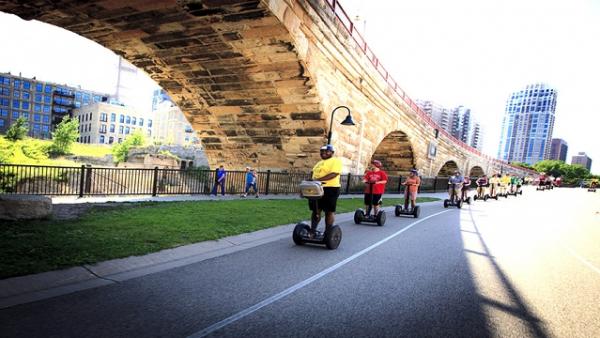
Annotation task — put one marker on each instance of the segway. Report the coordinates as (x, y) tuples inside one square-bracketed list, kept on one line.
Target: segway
[(592, 188), (493, 191), (483, 196), (406, 211), (454, 200), (332, 236), (360, 216), (465, 197)]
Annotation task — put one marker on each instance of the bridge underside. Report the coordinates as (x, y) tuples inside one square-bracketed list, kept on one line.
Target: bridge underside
[(230, 65), (448, 169)]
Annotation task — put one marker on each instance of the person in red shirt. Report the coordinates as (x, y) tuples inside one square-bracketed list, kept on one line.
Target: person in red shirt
[(377, 178)]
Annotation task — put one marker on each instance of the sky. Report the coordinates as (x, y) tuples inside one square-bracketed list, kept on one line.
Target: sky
[(475, 53), (461, 52)]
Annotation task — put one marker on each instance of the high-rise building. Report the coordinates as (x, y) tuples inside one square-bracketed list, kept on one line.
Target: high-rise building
[(582, 159), (133, 87), (43, 104), (528, 124), (458, 122), (558, 150)]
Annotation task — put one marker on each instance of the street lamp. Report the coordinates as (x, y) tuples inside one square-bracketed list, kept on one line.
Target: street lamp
[(347, 122)]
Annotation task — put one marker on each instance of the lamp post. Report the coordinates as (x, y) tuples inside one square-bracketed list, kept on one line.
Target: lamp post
[(347, 121)]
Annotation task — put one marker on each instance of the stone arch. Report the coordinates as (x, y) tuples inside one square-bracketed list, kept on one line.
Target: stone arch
[(395, 153), (448, 169), (476, 171)]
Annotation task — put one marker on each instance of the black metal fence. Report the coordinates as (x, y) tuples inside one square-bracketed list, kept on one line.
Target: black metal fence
[(90, 181)]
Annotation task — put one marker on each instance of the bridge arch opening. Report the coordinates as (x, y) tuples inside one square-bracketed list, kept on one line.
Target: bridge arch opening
[(448, 169), (395, 153), (476, 171)]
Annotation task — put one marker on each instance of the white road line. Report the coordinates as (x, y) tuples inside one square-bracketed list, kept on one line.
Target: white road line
[(581, 259), (216, 326)]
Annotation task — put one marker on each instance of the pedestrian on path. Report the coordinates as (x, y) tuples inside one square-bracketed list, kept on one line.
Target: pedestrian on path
[(219, 181), (250, 182)]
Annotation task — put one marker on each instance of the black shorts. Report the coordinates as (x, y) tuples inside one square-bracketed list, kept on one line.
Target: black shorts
[(376, 199), (328, 202)]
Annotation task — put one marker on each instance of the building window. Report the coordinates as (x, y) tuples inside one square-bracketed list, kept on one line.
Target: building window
[(112, 128), (47, 99), (25, 105), (120, 130), (103, 117), (4, 112), (120, 140), (16, 93), (46, 109), (26, 85), (46, 119), (101, 139), (48, 89), (141, 122), (16, 104), (15, 114), (111, 140), (1, 123), (149, 123), (45, 129), (126, 130), (127, 119), (38, 97), (4, 102), (25, 115), (121, 118), (17, 83), (113, 117), (26, 96), (103, 128), (4, 91), (37, 117), (39, 87)]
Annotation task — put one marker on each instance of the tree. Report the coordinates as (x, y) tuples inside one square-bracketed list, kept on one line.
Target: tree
[(522, 165), (18, 130), (121, 150), (550, 167), (65, 134)]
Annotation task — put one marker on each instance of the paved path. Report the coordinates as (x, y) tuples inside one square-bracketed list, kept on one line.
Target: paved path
[(496, 268)]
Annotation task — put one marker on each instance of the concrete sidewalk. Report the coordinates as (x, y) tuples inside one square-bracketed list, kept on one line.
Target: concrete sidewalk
[(25, 289)]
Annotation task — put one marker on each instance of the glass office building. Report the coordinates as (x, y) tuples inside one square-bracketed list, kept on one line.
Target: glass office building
[(528, 124), (43, 104)]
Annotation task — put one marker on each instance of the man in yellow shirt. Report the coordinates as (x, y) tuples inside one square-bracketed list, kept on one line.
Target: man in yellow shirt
[(327, 171)]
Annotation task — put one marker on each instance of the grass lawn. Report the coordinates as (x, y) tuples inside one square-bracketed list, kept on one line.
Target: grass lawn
[(137, 229)]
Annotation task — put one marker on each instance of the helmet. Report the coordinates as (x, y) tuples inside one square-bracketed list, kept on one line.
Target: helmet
[(414, 171), (327, 147), (376, 163)]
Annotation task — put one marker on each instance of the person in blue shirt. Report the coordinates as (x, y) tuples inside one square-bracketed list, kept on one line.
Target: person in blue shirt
[(250, 182), (219, 181), (455, 183)]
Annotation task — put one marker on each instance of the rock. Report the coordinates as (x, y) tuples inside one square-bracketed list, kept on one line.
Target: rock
[(23, 207)]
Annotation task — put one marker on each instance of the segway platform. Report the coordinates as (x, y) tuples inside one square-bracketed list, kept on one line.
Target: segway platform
[(332, 236)]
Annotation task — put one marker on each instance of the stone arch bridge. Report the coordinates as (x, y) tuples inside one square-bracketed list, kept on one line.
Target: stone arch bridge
[(258, 80)]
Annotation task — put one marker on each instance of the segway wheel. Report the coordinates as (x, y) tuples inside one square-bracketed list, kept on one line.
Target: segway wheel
[(521, 192), (469, 200), (416, 211), (359, 216), (485, 198), (445, 203), (475, 198), (333, 237), (459, 204), (505, 195), (397, 210), (300, 231), (380, 218)]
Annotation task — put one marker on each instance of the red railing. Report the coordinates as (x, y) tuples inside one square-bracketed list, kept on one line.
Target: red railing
[(344, 19)]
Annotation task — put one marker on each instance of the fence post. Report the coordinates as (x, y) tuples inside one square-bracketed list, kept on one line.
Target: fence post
[(434, 183), (268, 179), (399, 183), (81, 179), (88, 179), (348, 183), (155, 182)]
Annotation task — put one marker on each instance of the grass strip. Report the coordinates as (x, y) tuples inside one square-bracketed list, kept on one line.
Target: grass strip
[(137, 229)]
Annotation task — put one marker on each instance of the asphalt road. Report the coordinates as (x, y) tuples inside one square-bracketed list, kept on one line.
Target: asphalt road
[(526, 266)]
